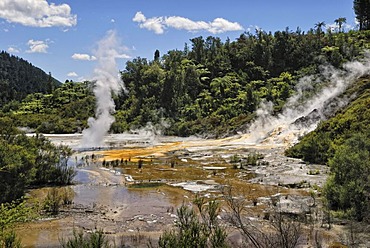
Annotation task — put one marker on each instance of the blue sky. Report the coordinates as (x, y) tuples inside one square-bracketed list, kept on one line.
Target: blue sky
[(60, 36)]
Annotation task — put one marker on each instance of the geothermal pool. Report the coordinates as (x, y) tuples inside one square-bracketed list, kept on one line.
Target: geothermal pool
[(108, 199)]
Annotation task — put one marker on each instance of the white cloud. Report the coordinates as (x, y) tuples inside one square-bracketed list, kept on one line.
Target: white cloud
[(122, 56), (13, 50), (255, 28), (334, 27), (82, 56), (87, 57), (179, 22), (72, 74), (348, 27), (37, 13), (220, 25), (37, 46), (155, 24), (139, 17), (159, 24)]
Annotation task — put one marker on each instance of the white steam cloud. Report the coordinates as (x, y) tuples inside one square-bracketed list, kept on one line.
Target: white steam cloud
[(284, 127), (107, 81)]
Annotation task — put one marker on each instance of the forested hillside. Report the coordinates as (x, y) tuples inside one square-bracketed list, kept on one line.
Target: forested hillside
[(65, 110), (209, 88), (215, 87), (18, 78)]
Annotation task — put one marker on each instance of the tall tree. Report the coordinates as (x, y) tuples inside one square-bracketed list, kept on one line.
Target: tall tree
[(319, 27), (156, 55), (362, 12), (340, 21)]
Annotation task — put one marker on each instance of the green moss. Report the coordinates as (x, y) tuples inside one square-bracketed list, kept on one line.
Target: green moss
[(146, 185)]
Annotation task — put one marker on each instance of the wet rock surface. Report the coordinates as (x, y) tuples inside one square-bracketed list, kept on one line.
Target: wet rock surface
[(105, 199)]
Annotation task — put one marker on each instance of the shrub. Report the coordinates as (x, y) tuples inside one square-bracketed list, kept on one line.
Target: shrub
[(95, 239)]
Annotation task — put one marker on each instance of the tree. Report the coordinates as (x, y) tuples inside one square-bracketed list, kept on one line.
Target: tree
[(362, 12), (197, 52), (156, 55), (22, 78), (26, 161), (348, 187), (12, 213), (340, 21), (319, 27)]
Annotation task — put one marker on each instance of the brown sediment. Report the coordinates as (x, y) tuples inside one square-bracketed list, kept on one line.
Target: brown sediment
[(107, 202)]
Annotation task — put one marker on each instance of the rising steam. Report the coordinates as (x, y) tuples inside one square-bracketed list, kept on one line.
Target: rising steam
[(285, 127), (106, 81)]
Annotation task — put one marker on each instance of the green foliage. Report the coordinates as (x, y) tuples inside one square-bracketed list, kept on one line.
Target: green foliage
[(252, 158), (235, 159), (206, 88), (343, 143), (314, 148), (56, 198), (194, 231), (362, 9), (321, 144), (19, 78), (12, 213), (66, 110), (210, 88), (26, 161), (95, 239), (348, 186), (10, 240)]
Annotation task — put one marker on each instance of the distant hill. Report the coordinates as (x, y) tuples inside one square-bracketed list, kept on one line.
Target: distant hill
[(18, 78)]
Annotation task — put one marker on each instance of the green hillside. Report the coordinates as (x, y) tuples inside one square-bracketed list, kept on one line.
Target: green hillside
[(210, 88), (343, 142), (319, 146), (18, 78), (214, 88), (65, 110)]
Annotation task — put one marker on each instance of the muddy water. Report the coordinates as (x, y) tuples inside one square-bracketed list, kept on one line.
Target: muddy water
[(103, 199)]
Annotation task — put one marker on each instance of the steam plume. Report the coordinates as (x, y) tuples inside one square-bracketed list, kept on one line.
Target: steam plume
[(283, 127), (107, 81)]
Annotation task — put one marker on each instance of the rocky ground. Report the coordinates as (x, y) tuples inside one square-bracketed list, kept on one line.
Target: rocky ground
[(135, 216)]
